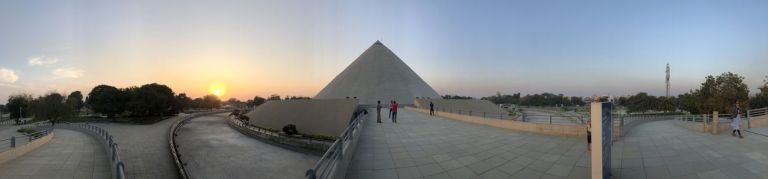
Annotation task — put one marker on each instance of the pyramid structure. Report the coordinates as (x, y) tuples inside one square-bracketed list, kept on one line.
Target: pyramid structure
[(378, 74)]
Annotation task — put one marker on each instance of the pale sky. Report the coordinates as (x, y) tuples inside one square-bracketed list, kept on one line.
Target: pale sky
[(291, 47)]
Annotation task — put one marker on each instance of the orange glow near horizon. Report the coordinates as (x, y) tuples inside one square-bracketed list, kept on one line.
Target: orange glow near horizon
[(218, 89)]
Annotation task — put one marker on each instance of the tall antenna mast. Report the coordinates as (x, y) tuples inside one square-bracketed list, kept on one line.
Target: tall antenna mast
[(667, 79)]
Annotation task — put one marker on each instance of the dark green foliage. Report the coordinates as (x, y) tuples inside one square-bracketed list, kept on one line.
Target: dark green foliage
[(256, 101), (107, 100), (75, 100), (181, 103), (274, 97), (211, 101), (716, 94), (761, 99), (18, 105), (149, 100), (50, 107), (290, 129)]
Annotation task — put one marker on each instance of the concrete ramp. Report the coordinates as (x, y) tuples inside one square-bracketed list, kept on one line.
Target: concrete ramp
[(317, 116)]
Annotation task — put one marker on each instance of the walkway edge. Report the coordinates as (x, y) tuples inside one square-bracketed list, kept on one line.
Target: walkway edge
[(17, 152), (172, 140), (117, 166)]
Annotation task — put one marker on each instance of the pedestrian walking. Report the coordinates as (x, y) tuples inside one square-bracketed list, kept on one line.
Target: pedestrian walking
[(431, 108), (736, 120), (378, 111), (394, 111)]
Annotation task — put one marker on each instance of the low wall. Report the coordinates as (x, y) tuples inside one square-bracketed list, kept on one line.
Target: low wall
[(293, 143), (546, 129), (16, 152), (758, 122)]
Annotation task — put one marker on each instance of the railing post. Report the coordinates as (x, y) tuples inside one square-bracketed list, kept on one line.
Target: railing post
[(114, 152), (715, 122), (749, 122), (13, 141), (550, 119)]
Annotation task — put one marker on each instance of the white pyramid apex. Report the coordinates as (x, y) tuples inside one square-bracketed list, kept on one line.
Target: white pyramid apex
[(378, 74)]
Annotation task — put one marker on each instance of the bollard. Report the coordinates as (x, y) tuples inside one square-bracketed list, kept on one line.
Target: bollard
[(120, 167), (715, 121), (114, 152), (13, 141), (483, 115), (550, 119)]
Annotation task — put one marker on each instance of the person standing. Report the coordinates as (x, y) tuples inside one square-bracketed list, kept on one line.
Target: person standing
[(589, 136), (431, 108), (736, 120), (378, 111), (394, 111)]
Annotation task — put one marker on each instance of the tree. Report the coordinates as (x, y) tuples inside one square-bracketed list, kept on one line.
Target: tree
[(181, 103), (107, 100), (257, 101), (274, 97), (198, 103), (716, 94), (456, 97), (75, 101), (150, 100), (761, 99), (211, 101), (52, 107), (18, 105)]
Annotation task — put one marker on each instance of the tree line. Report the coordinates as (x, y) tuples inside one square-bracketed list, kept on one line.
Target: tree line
[(543, 99), (149, 100)]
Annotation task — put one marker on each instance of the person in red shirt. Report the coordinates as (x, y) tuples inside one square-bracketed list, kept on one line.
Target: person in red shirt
[(394, 111)]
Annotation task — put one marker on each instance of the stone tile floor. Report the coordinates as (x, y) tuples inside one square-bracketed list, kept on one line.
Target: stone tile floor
[(70, 154), (422, 146)]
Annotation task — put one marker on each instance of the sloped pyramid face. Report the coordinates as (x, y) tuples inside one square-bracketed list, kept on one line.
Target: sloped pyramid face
[(378, 74)]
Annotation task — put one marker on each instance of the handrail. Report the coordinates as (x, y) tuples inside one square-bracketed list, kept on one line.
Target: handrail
[(12, 141), (334, 163), (172, 140), (117, 165)]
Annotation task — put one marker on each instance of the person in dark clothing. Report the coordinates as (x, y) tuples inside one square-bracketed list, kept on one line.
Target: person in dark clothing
[(394, 111), (736, 120), (378, 111), (431, 108)]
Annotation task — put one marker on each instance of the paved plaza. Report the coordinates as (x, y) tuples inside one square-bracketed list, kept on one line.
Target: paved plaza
[(212, 149), (144, 148), (421, 146), (70, 154)]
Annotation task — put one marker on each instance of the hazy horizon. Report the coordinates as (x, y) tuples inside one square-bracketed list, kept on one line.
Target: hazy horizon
[(295, 48)]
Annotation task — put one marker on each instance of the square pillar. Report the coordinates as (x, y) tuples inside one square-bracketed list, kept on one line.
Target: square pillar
[(715, 122), (602, 131)]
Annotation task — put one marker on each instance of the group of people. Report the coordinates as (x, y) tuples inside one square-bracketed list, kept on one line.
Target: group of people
[(392, 111), (735, 125)]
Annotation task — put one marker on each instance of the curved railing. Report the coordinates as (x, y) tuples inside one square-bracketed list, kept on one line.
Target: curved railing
[(10, 143), (334, 163), (172, 140), (117, 166)]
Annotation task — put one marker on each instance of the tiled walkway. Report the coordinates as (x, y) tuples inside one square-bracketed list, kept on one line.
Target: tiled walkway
[(420, 146), (70, 154)]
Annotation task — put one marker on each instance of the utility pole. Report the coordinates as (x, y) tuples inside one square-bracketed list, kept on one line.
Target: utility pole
[(667, 79)]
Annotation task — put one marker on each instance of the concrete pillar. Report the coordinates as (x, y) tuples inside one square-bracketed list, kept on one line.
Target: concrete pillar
[(715, 122), (602, 131), (704, 121)]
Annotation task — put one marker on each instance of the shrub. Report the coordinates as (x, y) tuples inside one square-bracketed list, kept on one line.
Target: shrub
[(290, 129)]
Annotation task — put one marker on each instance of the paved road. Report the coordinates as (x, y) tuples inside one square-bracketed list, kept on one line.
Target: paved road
[(212, 149), (70, 154), (144, 148), (420, 146)]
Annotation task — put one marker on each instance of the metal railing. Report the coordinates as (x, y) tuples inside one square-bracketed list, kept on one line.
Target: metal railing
[(334, 163), (14, 141), (117, 166), (180, 165), (278, 137), (501, 114), (757, 112)]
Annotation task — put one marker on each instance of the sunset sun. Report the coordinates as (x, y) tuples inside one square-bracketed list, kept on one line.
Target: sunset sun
[(217, 89)]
